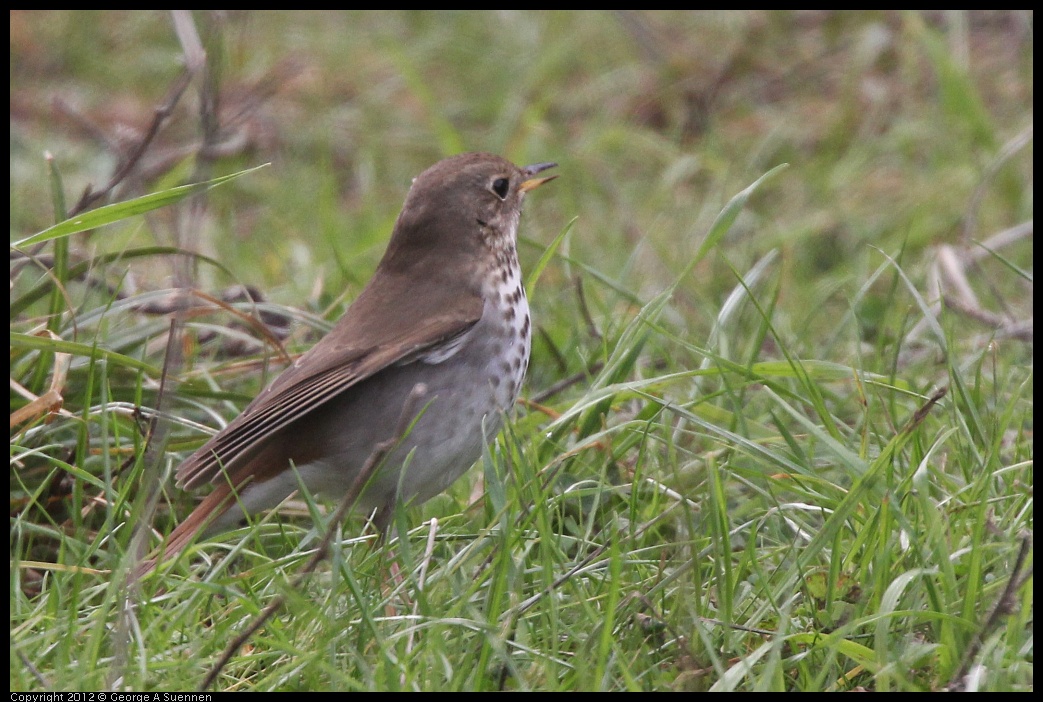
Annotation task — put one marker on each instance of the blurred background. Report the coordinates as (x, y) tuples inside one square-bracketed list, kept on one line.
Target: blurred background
[(902, 131), (778, 417)]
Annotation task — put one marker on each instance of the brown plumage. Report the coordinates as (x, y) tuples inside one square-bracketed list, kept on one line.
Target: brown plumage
[(444, 315)]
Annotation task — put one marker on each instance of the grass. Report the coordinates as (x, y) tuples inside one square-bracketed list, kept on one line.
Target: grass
[(757, 452)]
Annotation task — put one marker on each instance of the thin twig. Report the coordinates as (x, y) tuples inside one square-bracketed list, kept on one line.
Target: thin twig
[(44, 682), (1004, 605), (1022, 331), (156, 435), (922, 413), (989, 319), (154, 454), (158, 432), (90, 197), (567, 382), (159, 116), (51, 401), (592, 328), (273, 326)]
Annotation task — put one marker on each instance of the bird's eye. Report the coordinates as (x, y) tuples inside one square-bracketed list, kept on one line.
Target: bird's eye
[(500, 187)]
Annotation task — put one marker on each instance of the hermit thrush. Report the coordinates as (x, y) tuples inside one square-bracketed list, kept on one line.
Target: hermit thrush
[(440, 332)]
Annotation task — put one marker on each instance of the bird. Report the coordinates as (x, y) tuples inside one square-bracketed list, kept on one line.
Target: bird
[(437, 341)]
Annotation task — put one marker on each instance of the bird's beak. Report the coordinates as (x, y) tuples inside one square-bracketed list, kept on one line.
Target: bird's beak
[(532, 183)]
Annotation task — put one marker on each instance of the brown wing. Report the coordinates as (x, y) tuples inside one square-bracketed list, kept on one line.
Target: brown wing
[(393, 320)]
